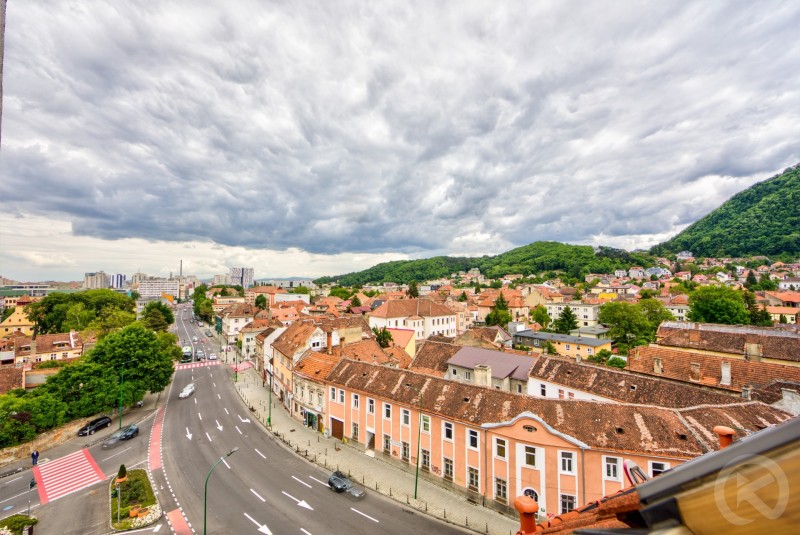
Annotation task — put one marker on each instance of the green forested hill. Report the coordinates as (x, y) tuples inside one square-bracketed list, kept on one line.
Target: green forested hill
[(535, 258), (762, 220)]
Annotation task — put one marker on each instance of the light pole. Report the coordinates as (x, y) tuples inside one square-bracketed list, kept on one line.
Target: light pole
[(419, 436), (121, 382), (205, 493), (269, 415)]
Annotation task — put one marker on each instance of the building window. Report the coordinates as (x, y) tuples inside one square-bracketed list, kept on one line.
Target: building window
[(448, 431), (567, 503), (355, 401), (370, 406), (500, 448), (333, 394), (543, 390), (560, 393), (319, 397), (455, 371), (519, 389), (341, 396), (405, 451), (387, 410), (658, 468), (387, 444), (467, 375), (571, 395), (530, 456), (473, 479), (588, 350), (355, 432), (500, 490), (567, 466), (448, 469), (612, 468), (425, 458), (567, 348), (426, 424), (473, 439), (406, 417)]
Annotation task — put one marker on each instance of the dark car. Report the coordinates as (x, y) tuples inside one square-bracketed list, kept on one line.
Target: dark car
[(94, 425), (338, 482), (123, 434)]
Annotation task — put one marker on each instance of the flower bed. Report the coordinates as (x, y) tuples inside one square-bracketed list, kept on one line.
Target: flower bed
[(136, 491)]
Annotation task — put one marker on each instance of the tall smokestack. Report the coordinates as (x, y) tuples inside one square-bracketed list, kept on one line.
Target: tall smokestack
[(181, 272)]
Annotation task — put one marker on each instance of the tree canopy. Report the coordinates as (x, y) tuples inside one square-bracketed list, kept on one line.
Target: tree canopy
[(566, 321), (382, 336), (499, 315), (630, 324), (59, 311), (718, 304)]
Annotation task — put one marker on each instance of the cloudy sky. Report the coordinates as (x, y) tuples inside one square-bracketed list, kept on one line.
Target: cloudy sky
[(317, 138)]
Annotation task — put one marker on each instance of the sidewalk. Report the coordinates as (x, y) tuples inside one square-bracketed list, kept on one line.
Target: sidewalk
[(373, 473)]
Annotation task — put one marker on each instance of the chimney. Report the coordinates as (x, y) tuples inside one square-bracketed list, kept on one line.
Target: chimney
[(726, 374), (577, 359), (527, 509), (658, 366), (752, 350), (747, 392), (483, 375), (330, 342), (725, 435), (694, 371)]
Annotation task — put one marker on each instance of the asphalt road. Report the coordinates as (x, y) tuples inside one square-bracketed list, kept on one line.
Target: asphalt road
[(263, 487)]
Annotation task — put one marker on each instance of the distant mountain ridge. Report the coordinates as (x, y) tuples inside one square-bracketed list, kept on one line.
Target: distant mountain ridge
[(534, 258), (761, 220)]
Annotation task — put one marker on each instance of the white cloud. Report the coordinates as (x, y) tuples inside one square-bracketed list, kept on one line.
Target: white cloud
[(384, 130)]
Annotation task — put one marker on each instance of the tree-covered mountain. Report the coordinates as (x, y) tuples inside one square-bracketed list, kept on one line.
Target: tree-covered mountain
[(762, 220), (532, 259)]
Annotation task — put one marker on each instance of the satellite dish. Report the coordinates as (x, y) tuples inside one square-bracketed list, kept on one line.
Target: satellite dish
[(633, 472)]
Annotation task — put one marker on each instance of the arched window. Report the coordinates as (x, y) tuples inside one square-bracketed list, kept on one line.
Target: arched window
[(528, 491)]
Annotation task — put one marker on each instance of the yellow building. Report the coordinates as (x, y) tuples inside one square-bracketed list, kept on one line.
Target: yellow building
[(17, 322)]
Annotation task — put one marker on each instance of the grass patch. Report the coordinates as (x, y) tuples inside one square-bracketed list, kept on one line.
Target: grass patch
[(135, 491), (15, 523)]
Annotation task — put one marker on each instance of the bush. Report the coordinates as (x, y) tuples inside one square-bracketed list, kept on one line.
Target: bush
[(616, 362), (15, 523), (135, 491)]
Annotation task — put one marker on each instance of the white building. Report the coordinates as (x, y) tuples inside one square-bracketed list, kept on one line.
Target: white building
[(93, 281), (155, 287), (585, 314), (241, 277), (424, 316)]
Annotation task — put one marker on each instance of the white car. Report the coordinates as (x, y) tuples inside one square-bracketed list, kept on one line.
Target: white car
[(212, 356), (187, 391), (194, 339)]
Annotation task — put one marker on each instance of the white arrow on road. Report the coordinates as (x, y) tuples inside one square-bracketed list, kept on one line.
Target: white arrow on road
[(218, 426), (301, 503), (262, 528), (243, 420), (188, 434)]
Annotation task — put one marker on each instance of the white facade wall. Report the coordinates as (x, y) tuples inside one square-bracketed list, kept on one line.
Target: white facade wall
[(557, 391), (158, 287)]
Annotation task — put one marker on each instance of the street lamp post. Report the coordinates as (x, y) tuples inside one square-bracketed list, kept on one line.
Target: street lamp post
[(205, 493), (122, 382), (419, 436), (269, 415)]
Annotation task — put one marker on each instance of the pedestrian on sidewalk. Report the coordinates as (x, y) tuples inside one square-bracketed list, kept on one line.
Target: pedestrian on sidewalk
[(35, 457)]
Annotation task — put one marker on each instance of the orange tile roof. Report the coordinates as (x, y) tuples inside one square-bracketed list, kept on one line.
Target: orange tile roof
[(402, 336), (404, 308)]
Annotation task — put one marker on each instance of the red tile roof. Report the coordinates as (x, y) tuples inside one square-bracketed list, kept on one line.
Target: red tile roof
[(11, 378), (404, 308), (432, 357)]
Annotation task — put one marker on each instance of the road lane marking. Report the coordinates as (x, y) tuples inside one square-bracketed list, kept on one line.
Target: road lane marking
[(257, 495), (11, 498), (262, 528), (218, 426), (301, 503), (304, 531), (215, 384), (188, 434), (226, 464), (364, 515), (262, 455), (118, 453), (237, 428), (195, 401), (301, 482), (226, 411), (318, 481), (157, 528), (209, 436), (218, 396), (200, 415), (20, 477)]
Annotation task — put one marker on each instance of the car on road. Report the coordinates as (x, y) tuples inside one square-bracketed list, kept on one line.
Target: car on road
[(209, 333), (187, 391), (203, 341), (201, 355), (212, 356), (126, 433), (94, 425), (338, 482), (194, 339)]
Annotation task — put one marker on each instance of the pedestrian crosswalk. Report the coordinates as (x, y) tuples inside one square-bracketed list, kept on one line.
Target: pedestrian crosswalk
[(189, 365), (66, 475)]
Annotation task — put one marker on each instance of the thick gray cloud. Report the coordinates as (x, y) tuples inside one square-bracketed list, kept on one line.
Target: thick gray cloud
[(418, 128)]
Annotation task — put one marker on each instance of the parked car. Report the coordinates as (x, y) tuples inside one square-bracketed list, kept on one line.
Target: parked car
[(94, 425), (126, 433), (212, 356), (187, 391), (338, 482)]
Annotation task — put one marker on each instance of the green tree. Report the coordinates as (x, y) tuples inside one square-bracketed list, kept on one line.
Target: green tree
[(758, 314), (51, 313), (463, 297), (655, 312), (109, 320), (86, 388), (7, 312), (152, 355), (153, 319), (616, 362), (499, 315), (627, 324), (166, 312), (566, 321), (340, 292), (647, 293), (355, 302), (541, 316), (382, 336), (261, 302), (305, 290), (751, 280), (413, 291), (765, 283), (718, 304), (782, 319), (550, 348)]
